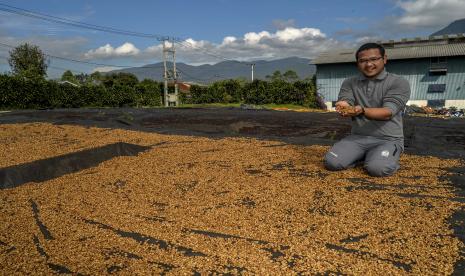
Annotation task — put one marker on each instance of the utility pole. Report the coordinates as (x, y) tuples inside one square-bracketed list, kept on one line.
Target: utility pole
[(165, 75), (170, 52), (252, 65), (175, 77)]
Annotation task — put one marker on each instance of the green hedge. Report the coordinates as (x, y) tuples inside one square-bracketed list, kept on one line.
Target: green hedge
[(256, 92), (19, 93)]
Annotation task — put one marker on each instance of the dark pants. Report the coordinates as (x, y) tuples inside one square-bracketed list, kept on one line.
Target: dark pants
[(380, 155)]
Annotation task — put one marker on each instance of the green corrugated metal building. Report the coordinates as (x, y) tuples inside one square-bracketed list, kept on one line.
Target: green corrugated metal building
[(435, 68)]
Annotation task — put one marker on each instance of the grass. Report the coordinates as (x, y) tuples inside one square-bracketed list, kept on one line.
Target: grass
[(291, 107), (283, 107), (209, 105)]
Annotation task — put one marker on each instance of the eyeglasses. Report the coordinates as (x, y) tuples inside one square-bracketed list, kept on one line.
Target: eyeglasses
[(370, 60)]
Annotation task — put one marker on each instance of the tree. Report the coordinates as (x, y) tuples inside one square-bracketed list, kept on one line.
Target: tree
[(276, 76), (290, 76), (120, 79), (83, 78), (148, 93), (96, 77), (28, 61), (68, 76)]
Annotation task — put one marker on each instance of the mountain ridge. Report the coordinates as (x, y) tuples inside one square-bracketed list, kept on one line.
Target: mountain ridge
[(458, 26), (224, 70), (206, 73)]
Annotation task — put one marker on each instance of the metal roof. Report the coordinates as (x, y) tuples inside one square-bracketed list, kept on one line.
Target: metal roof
[(398, 51)]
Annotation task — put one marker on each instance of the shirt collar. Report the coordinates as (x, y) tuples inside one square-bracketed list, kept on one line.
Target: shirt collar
[(381, 76)]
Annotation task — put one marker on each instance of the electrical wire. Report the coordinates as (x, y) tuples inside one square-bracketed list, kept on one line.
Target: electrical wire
[(190, 45), (195, 78), (86, 62), (113, 65), (182, 72), (56, 19), (60, 20), (54, 67), (64, 69)]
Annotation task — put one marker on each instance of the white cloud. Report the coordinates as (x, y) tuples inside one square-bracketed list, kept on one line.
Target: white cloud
[(228, 40), (104, 69), (61, 47), (254, 38), (127, 49), (430, 13), (290, 41), (196, 44), (409, 18), (291, 33), (107, 51), (365, 39), (154, 49), (287, 42), (285, 35)]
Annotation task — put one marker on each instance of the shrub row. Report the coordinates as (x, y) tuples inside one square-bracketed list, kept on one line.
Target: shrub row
[(256, 92), (19, 93)]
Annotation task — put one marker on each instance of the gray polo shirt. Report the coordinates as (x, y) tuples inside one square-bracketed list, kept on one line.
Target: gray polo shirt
[(386, 90)]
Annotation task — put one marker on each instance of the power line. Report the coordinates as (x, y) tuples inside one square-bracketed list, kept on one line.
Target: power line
[(56, 19), (53, 67), (190, 45), (64, 69), (110, 65), (85, 62), (60, 20), (195, 78), (183, 73)]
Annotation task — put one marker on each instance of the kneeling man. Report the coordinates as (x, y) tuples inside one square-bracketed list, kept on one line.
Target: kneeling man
[(375, 101)]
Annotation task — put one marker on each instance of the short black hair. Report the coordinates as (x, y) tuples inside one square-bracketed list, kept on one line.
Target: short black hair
[(368, 46)]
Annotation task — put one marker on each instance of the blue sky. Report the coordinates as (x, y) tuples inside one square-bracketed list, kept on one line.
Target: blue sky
[(232, 29)]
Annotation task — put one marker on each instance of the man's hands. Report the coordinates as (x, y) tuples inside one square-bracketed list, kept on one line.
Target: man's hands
[(372, 113), (346, 110)]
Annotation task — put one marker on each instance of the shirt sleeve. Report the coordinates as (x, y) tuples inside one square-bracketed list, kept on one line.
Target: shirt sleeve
[(397, 96), (346, 92)]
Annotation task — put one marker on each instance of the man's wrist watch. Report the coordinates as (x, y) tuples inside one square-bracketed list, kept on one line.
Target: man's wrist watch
[(363, 110)]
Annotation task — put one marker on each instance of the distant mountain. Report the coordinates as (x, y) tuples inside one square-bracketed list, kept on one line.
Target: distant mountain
[(455, 27), (225, 70)]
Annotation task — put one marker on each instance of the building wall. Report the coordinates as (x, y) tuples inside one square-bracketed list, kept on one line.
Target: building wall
[(416, 71), (329, 78)]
